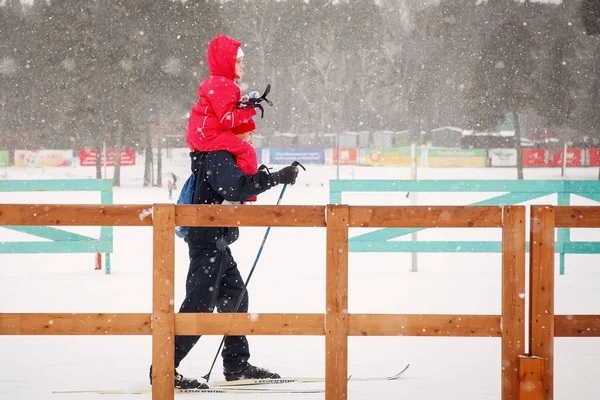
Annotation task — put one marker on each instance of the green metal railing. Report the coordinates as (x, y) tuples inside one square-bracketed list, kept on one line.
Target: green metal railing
[(518, 192), (58, 240)]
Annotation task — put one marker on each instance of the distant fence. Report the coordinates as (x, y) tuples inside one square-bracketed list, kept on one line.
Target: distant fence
[(372, 156), (58, 240), (382, 240)]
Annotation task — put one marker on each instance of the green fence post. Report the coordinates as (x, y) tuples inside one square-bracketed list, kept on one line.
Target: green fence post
[(564, 234)]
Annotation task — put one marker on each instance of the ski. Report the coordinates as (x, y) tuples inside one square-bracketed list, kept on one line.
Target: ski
[(250, 382), (225, 387), (210, 390)]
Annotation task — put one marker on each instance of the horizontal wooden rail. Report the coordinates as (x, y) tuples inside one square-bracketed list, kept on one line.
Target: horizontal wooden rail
[(577, 325), (424, 325), (426, 217), (218, 215), (577, 217), (229, 215), (75, 215), (250, 324), (75, 324)]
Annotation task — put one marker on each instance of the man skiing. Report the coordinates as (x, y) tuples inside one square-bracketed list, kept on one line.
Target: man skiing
[(213, 279)]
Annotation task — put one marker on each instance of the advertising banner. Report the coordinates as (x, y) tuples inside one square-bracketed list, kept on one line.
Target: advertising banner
[(347, 156), (4, 158), (304, 156), (400, 156), (534, 157), (43, 158), (594, 157), (574, 158), (87, 158), (456, 158), (503, 157)]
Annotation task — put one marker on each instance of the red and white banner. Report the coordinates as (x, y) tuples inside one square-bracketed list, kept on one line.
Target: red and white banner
[(534, 157), (87, 158), (574, 158), (347, 156), (43, 158), (594, 157)]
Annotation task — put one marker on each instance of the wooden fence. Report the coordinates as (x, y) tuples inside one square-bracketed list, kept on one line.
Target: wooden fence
[(522, 374)]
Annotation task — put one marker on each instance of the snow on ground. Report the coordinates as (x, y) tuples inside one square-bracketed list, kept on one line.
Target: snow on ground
[(290, 277)]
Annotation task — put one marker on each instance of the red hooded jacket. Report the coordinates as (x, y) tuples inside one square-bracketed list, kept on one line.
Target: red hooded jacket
[(215, 122)]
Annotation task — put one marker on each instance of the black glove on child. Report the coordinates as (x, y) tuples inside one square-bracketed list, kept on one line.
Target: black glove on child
[(287, 175)]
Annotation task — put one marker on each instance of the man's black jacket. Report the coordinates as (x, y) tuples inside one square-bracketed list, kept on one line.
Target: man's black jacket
[(218, 179)]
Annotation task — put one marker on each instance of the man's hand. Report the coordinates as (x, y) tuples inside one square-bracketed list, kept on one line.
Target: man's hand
[(287, 175)]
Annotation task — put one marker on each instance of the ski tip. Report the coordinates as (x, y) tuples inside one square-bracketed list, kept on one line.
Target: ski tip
[(399, 374)]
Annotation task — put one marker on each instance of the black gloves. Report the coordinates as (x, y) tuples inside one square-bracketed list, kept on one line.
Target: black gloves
[(287, 175)]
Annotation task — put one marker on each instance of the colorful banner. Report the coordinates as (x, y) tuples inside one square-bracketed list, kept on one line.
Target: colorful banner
[(4, 158), (456, 158), (87, 158), (400, 156), (534, 157), (43, 158), (503, 157), (574, 158), (347, 156), (594, 157), (304, 156)]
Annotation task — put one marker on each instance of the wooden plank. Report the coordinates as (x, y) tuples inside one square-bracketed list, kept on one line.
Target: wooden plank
[(74, 324), (577, 216), (163, 295), (541, 291), (513, 298), (425, 216), (75, 215), (577, 326), (423, 325), (336, 319), (249, 324), (229, 215), (531, 380)]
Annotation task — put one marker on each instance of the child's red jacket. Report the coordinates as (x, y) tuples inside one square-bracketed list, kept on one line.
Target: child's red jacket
[(215, 121)]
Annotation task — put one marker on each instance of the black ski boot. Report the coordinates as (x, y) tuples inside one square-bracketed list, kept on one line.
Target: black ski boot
[(250, 372), (181, 382)]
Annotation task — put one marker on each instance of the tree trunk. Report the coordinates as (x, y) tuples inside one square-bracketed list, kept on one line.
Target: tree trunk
[(148, 164), (98, 161), (161, 129), (119, 144), (518, 146)]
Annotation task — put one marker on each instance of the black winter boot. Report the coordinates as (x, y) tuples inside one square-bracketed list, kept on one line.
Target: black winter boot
[(181, 382), (250, 372)]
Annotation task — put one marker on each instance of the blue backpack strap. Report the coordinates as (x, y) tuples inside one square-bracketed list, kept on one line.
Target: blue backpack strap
[(186, 196)]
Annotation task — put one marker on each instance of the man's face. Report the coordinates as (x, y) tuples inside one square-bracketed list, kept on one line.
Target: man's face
[(239, 67)]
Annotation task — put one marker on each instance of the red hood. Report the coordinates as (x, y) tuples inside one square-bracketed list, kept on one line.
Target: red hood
[(220, 56)]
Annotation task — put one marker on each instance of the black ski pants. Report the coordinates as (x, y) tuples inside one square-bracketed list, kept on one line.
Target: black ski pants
[(214, 280)]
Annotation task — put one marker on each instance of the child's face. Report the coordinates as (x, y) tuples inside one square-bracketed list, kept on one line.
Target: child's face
[(248, 137), (239, 67)]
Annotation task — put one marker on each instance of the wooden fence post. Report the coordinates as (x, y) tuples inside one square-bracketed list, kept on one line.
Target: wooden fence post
[(513, 297), (541, 291), (531, 380), (163, 296), (336, 317)]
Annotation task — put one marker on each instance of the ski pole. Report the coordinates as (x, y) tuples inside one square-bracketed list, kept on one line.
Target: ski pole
[(239, 301)]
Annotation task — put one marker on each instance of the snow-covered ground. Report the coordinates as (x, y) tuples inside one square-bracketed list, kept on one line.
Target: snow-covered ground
[(290, 277)]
